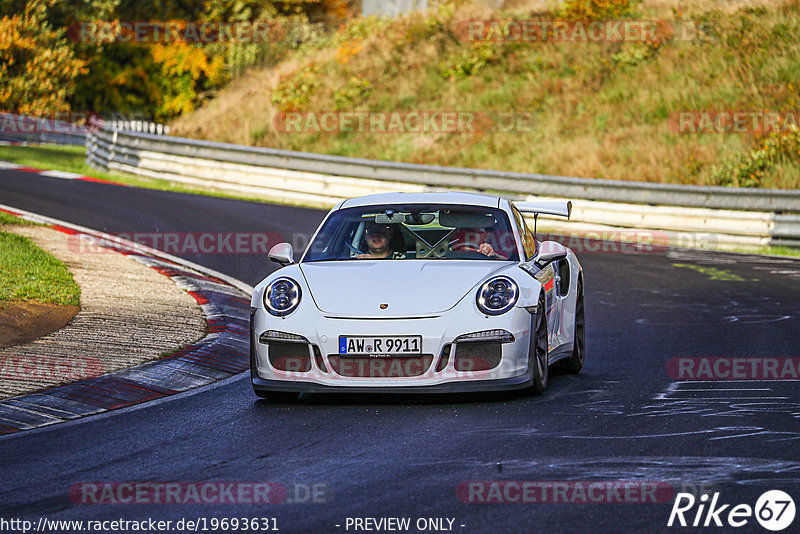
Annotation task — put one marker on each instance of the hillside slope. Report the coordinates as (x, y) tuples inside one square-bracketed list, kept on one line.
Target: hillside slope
[(592, 109)]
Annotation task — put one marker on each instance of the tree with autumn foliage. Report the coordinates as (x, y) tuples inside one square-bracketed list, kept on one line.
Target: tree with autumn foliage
[(45, 68), (185, 68), (38, 67)]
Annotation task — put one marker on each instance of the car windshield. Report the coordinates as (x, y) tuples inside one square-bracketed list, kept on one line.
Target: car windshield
[(413, 232)]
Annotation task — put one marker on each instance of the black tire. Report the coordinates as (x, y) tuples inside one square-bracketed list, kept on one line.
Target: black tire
[(278, 396), (538, 355), (574, 363)]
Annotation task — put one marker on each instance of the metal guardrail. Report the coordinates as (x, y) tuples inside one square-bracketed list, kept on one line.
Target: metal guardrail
[(23, 129), (744, 216), (520, 183), (26, 129)]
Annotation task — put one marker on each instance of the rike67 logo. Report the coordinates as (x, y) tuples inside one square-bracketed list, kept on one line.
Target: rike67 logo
[(774, 510)]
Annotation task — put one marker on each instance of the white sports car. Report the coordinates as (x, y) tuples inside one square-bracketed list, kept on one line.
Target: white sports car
[(419, 292)]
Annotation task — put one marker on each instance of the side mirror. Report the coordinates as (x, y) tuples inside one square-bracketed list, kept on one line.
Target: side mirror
[(549, 251), (282, 253)]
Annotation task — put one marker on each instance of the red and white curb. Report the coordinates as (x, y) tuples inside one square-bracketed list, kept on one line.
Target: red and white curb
[(224, 351), (63, 175)]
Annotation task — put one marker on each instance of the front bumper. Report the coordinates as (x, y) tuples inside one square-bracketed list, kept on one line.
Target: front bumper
[(437, 333), (500, 384)]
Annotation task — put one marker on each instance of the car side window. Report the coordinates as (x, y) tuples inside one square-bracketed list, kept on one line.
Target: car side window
[(563, 274), (528, 240)]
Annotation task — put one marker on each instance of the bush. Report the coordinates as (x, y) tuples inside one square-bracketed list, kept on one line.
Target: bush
[(468, 63), (749, 169), (294, 91), (349, 49), (598, 9), (632, 55), (356, 90)]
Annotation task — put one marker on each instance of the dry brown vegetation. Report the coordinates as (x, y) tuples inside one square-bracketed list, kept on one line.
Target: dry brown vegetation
[(599, 109)]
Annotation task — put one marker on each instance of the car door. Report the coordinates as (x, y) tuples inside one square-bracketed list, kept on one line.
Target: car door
[(561, 283), (547, 277)]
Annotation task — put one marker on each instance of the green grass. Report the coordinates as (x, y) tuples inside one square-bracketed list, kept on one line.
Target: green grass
[(63, 158), (7, 218), (27, 273), (770, 251)]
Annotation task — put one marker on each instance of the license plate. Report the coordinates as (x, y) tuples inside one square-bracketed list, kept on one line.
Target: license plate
[(380, 345)]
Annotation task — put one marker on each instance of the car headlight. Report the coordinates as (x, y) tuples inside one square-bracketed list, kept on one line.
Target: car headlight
[(497, 295), (282, 296)]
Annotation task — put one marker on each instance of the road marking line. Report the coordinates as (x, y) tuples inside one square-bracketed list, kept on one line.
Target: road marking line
[(730, 389), (61, 174)]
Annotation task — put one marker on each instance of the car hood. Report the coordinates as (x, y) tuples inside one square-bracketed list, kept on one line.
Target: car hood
[(409, 287)]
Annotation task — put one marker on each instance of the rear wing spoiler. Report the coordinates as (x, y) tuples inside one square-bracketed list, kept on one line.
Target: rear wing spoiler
[(561, 208)]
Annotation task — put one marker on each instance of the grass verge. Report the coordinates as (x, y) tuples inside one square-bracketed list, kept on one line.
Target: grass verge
[(7, 218), (770, 251), (27, 273), (72, 159)]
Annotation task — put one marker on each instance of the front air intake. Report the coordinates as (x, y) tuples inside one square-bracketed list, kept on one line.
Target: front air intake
[(478, 356), (289, 356)]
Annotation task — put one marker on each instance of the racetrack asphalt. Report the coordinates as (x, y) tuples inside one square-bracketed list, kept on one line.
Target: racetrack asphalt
[(624, 418)]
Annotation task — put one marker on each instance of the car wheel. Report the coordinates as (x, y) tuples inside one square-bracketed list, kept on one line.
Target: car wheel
[(538, 358), (574, 363), (278, 396)]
